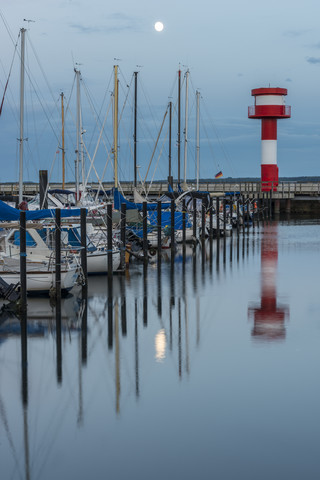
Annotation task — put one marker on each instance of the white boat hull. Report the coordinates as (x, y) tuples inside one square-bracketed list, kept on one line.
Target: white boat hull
[(42, 282), (97, 262)]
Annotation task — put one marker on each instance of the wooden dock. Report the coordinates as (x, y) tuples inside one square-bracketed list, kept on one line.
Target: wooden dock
[(285, 190)]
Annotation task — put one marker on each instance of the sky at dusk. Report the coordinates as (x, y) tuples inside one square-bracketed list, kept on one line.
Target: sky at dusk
[(228, 47)]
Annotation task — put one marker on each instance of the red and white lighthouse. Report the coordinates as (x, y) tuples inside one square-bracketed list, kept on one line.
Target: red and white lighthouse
[(269, 105)]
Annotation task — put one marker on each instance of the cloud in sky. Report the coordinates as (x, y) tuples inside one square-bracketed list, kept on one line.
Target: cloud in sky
[(117, 22), (313, 60), (296, 33)]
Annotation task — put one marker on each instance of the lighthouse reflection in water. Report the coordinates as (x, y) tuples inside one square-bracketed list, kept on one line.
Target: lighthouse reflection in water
[(269, 317)]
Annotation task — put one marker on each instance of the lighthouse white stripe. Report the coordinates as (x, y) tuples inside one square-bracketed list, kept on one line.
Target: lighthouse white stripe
[(270, 100), (269, 152)]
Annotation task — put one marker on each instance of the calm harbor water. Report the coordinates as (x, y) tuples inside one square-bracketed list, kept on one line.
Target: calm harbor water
[(207, 367)]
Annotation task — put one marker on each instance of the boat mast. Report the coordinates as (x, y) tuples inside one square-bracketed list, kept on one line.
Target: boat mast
[(77, 72), (170, 180), (62, 141), (186, 132), (22, 31), (198, 137), (179, 121), (135, 128), (115, 126)]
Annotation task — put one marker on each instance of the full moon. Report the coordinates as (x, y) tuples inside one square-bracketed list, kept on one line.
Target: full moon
[(158, 26)]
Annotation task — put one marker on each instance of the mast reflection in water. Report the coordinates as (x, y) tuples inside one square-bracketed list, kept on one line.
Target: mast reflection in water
[(159, 364)]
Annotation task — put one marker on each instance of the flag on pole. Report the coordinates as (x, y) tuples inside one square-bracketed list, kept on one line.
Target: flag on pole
[(219, 175)]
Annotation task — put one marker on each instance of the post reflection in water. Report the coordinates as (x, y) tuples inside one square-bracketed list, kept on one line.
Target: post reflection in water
[(155, 342), (268, 317), (110, 312), (58, 339)]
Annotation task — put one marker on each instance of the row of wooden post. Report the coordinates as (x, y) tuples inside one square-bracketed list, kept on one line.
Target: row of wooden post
[(262, 210)]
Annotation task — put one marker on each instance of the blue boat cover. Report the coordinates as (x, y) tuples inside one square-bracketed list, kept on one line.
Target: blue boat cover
[(166, 220), (118, 199), (8, 213)]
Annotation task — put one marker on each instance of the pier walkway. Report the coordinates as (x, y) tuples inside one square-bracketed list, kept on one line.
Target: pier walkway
[(292, 190)]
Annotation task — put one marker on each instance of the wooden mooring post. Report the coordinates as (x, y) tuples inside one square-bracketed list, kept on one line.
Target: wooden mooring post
[(123, 218), (159, 229), (23, 262), (218, 216), (203, 220), (194, 221), (172, 228), (58, 255), (109, 239), (83, 237), (145, 231), (210, 218)]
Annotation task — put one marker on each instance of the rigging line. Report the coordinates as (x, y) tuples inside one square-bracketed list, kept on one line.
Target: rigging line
[(6, 85), (36, 88), (156, 143), (159, 156), (95, 115), (34, 84), (93, 111), (9, 434), (42, 71), (148, 104), (219, 139), (107, 91), (7, 27), (94, 156), (173, 86), (106, 164)]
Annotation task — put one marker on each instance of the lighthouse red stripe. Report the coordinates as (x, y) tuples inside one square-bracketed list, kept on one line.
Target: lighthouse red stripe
[(269, 129), (269, 178)]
